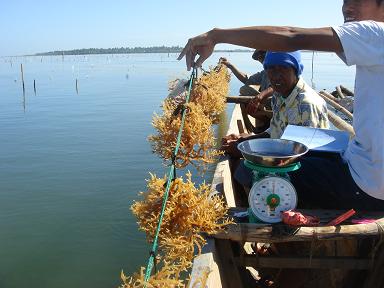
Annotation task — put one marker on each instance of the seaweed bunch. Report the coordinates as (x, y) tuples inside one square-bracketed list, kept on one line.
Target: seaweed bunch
[(197, 140), (167, 276), (190, 211), (210, 90)]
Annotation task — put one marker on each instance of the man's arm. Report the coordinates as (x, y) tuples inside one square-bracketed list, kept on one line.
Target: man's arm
[(253, 106), (272, 38), (239, 75)]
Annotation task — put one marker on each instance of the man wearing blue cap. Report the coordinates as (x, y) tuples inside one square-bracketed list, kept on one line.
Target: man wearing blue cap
[(293, 102)]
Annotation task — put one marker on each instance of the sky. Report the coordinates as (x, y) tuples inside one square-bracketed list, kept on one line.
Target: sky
[(28, 27)]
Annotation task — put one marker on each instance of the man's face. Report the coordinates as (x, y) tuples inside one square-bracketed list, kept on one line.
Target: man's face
[(283, 78), (260, 57), (359, 10)]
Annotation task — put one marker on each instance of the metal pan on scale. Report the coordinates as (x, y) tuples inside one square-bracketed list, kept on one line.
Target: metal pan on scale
[(272, 152)]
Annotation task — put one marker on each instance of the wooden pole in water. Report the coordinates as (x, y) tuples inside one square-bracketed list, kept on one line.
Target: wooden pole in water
[(34, 86), (77, 88), (22, 77)]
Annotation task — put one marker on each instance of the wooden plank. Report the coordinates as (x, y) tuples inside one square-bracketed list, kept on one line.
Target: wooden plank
[(207, 261), (240, 126), (223, 170), (231, 276), (375, 277), (247, 122), (249, 232), (325, 215), (236, 115), (205, 270), (345, 263)]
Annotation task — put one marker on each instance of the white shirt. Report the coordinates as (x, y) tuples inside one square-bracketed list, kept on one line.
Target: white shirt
[(363, 44)]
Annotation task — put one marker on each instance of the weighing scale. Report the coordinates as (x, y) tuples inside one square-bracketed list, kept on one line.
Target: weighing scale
[(272, 192)]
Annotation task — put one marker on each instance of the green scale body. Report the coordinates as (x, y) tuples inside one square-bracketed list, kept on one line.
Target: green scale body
[(271, 192)]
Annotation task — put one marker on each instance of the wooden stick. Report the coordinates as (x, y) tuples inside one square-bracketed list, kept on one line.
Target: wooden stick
[(239, 99), (339, 92), (330, 96), (246, 99), (347, 91), (247, 122), (34, 86), (77, 88), (22, 76), (336, 105), (340, 123), (240, 126)]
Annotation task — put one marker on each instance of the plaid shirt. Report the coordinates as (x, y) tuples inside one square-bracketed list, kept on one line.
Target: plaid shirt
[(303, 107)]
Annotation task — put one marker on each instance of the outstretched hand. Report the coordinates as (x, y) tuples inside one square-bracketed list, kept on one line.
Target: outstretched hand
[(201, 45), (224, 61)]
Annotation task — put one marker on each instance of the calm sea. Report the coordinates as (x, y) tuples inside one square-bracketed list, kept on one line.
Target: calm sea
[(72, 161)]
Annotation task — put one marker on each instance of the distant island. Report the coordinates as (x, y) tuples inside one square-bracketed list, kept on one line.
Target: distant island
[(122, 50)]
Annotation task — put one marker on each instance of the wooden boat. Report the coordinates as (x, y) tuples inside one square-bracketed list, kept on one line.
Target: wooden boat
[(326, 256)]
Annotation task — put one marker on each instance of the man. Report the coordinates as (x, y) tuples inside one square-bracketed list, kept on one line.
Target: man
[(262, 93), (259, 78), (293, 102), (355, 180)]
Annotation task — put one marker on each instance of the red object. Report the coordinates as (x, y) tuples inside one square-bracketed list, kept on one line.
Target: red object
[(362, 221), (342, 218), (295, 218)]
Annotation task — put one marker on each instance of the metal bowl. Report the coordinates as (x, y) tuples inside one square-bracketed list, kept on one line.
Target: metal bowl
[(272, 152)]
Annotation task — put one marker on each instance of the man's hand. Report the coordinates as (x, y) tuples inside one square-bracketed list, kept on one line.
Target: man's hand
[(258, 102), (253, 106), (229, 144), (224, 61), (201, 45)]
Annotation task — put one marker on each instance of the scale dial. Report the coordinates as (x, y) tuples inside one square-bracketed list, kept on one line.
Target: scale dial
[(271, 196)]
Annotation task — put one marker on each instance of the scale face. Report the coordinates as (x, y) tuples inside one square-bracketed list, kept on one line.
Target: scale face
[(271, 196)]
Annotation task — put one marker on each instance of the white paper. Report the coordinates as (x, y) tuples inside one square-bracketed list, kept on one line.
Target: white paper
[(318, 139)]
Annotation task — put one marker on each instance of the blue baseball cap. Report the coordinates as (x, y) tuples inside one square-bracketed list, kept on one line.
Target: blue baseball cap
[(292, 59)]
